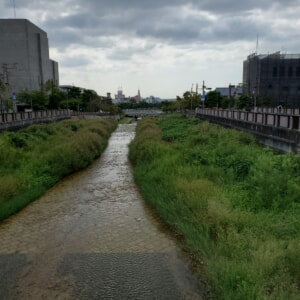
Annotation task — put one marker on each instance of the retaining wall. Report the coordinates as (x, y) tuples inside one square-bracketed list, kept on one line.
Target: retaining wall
[(13, 121), (277, 130)]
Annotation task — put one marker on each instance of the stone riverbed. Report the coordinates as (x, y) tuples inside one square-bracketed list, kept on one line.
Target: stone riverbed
[(92, 237)]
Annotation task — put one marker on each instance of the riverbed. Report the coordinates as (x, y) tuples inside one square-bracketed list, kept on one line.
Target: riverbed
[(92, 236)]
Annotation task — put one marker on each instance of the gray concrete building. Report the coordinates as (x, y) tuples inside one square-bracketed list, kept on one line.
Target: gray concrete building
[(273, 76), (24, 57), (230, 91)]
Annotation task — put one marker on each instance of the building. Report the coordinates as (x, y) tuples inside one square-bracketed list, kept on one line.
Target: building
[(152, 100), (68, 88), (24, 57), (275, 77), (230, 91), (138, 97), (120, 97)]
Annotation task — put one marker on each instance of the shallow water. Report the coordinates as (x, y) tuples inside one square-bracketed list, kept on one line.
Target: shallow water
[(92, 237)]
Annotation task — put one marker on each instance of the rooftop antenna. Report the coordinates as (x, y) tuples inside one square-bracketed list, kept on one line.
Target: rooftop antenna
[(14, 5), (256, 44)]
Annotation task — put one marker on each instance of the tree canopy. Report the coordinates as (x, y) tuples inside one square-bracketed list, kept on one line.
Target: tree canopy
[(51, 97)]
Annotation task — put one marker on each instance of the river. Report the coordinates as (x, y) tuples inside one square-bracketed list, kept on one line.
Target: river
[(91, 236)]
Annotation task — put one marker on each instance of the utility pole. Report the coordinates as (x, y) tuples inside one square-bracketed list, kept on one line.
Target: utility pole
[(191, 95), (203, 94)]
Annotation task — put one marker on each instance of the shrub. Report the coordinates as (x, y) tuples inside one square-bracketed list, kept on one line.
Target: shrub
[(35, 158), (234, 203)]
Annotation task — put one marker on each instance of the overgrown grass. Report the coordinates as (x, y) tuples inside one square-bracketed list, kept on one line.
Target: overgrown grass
[(35, 158), (236, 204)]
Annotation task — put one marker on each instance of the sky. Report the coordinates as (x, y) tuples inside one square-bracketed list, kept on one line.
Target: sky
[(162, 47)]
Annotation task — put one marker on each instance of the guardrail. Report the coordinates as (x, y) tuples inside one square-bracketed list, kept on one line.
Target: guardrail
[(15, 120), (278, 130), (266, 117)]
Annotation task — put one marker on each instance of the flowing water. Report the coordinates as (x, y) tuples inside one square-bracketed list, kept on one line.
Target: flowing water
[(92, 237)]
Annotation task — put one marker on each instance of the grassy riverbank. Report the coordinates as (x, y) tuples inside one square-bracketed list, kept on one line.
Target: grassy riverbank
[(237, 205), (35, 158)]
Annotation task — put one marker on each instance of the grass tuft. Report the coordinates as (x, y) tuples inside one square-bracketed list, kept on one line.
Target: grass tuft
[(235, 204), (35, 158)]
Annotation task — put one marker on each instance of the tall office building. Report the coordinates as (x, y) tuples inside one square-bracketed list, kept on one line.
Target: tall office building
[(24, 57), (273, 76)]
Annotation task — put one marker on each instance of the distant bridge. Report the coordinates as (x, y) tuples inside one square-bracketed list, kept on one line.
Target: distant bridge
[(274, 127), (142, 112)]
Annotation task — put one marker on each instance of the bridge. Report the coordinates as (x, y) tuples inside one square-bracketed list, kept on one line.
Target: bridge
[(142, 112), (274, 127)]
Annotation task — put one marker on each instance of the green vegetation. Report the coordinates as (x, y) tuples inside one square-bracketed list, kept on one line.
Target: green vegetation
[(235, 204), (51, 97), (191, 100), (35, 158)]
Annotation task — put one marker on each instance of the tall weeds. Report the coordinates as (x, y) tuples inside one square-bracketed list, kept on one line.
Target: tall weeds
[(35, 158), (235, 203)]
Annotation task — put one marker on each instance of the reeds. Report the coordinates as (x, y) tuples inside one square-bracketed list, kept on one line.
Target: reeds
[(236, 204), (35, 158)]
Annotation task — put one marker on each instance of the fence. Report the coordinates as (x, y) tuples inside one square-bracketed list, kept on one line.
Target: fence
[(277, 129), (20, 119), (289, 119)]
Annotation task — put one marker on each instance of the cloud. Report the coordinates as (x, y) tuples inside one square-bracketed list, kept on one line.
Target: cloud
[(135, 37)]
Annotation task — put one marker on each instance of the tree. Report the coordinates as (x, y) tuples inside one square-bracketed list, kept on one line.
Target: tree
[(5, 101), (190, 100), (169, 106), (38, 100), (243, 102), (213, 99), (56, 98), (74, 92)]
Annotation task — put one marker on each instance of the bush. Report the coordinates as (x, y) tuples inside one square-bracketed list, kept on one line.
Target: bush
[(35, 158), (234, 203)]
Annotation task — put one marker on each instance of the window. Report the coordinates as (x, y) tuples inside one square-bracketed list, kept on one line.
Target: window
[(275, 71), (285, 88), (290, 71), (298, 71)]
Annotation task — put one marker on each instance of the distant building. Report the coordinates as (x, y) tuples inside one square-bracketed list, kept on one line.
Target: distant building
[(230, 91), (273, 76), (68, 87), (138, 97), (120, 97), (24, 56), (152, 100)]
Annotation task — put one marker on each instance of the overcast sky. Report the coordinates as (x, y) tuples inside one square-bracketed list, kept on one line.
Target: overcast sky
[(161, 47)]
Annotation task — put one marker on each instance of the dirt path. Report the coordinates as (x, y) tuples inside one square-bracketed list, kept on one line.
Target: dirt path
[(92, 237)]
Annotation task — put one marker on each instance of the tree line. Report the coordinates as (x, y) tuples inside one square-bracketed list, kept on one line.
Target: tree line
[(213, 99), (52, 97)]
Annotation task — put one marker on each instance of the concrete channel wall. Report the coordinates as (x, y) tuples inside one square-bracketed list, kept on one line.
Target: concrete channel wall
[(16, 120), (276, 129)]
